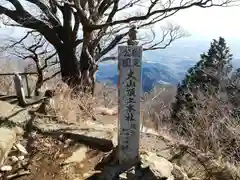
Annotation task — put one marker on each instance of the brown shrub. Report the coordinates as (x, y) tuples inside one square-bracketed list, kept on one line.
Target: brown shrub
[(71, 108), (211, 129)]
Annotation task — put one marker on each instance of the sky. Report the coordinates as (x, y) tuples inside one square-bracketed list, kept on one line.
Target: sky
[(210, 22), (205, 23)]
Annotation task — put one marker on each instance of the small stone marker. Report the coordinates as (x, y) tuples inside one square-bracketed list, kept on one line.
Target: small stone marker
[(19, 89), (129, 87)]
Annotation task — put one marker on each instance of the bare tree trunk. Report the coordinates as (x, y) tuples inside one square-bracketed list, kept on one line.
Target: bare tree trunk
[(88, 68), (69, 65), (39, 82), (77, 76), (92, 74)]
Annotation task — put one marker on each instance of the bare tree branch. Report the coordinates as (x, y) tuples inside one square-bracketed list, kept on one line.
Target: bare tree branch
[(21, 16), (38, 51), (52, 18), (116, 40), (201, 3), (169, 34), (101, 25)]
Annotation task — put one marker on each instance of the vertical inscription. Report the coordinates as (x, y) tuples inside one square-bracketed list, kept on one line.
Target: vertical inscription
[(129, 59)]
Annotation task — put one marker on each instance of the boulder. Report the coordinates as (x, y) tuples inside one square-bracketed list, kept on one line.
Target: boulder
[(106, 111), (7, 140), (160, 166), (78, 156), (14, 113)]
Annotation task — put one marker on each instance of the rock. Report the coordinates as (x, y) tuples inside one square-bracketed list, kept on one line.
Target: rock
[(6, 168), (19, 131), (143, 165), (47, 145), (160, 166), (7, 139), (100, 126), (123, 176), (134, 174), (106, 111), (148, 130), (61, 155), (14, 113), (171, 178), (21, 158), (77, 178), (14, 159), (89, 174), (86, 175), (81, 166), (67, 143), (21, 148), (78, 156)]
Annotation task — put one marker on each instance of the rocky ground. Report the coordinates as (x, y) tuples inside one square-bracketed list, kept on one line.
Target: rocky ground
[(37, 148)]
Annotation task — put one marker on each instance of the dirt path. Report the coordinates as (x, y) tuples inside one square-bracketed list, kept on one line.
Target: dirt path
[(47, 154)]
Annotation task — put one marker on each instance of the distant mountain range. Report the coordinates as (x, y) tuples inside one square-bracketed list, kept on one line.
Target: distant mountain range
[(152, 74), (167, 66)]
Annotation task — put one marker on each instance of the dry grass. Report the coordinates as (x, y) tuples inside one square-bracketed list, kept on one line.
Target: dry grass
[(215, 130), (212, 130), (156, 107), (106, 95), (69, 108)]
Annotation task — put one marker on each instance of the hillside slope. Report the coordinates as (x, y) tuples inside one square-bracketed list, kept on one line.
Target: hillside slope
[(152, 74)]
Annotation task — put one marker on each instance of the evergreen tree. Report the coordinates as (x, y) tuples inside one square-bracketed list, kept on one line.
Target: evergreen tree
[(205, 77)]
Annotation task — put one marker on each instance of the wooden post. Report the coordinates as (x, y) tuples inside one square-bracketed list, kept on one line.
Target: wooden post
[(19, 89), (27, 86), (129, 66)]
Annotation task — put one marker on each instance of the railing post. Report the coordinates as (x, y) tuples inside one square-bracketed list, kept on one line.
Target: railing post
[(19, 89)]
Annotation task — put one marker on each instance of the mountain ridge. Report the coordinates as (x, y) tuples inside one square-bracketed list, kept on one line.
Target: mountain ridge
[(153, 73)]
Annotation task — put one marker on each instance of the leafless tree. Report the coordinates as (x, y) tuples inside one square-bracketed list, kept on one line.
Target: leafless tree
[(97, 26), (33, 46)]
